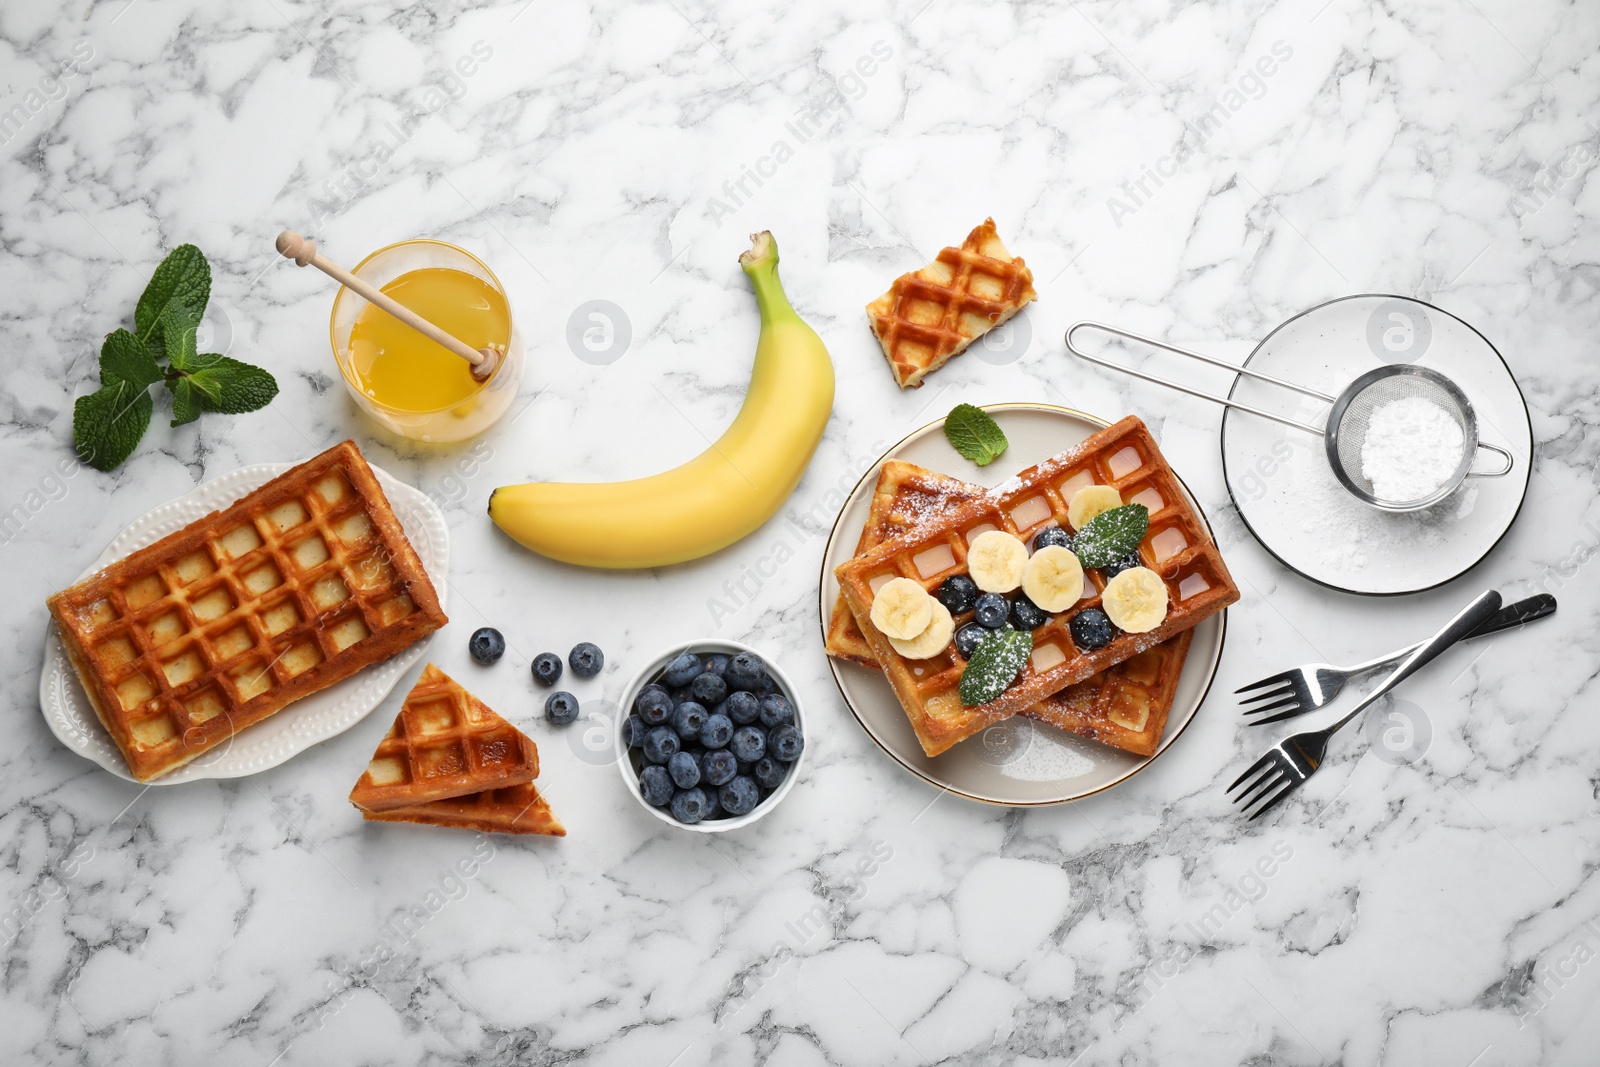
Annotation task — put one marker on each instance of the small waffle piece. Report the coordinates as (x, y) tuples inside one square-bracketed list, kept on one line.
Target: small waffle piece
[(1124, 706), (296, 586), (934, 313), (517, 809), (1176, 547), (444, 743)]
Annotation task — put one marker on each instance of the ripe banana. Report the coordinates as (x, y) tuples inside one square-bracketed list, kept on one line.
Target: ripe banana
[(1053, 579), (931, 641), (902, 609), (995, 561), (718, 497), (1135, 600), (1090, 501)]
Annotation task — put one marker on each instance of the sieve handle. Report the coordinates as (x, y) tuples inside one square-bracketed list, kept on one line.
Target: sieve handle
[(1510, 462), (1225, 401)]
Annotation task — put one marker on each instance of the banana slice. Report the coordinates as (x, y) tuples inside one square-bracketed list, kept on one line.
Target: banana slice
[(1053, 579), (1135, 600), (995, 561), (931, 641), (1090, 501), (902, 609)]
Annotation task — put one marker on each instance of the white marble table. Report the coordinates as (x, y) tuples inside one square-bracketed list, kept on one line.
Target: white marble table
[(1436, 909)]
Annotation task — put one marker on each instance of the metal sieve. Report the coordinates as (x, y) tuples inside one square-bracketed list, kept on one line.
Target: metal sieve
[(1349, 414)]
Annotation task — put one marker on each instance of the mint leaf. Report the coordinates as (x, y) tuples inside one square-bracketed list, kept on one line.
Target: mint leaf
[(974, 434), (174, 302), (107, 424), (125, 358), (185, 401), (1111, 535), (214, 382), (994, 665)]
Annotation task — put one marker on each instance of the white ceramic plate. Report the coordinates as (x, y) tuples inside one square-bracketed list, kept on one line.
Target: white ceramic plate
[(1287, 495), (1016, 762), (304, 723)]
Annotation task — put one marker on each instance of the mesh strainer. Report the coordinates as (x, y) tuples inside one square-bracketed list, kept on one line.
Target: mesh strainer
[(1349, 415)]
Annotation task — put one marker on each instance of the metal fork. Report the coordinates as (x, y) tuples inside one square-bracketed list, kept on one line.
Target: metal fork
[(1288, 764), (1302, 689)]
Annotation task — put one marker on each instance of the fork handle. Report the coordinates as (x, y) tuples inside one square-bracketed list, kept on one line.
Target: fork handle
[(1509, 617), (1464, 623)]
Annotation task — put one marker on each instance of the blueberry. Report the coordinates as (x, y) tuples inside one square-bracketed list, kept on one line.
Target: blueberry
[(716, 731), (1128, 562), (708, 689), (718, 766), (739, 797), (991, 610), (486, 645), (561, 708), (746, 767), (1026, 615), (769, 773), (660, 743), (685, 770), (586, 659), (1091, 629), (749, 744), (691, 805), (775, 711), (654, 705), (547, 668), (687, 718), (785, 742), (766, 685), (656, 786), (741, 707), (1052, 535), (633, 731), (717, 664), (745, 671), (682, 670), (967, 638), (957, 593)]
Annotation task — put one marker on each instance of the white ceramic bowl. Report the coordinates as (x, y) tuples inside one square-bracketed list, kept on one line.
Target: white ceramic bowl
[(630, 762)]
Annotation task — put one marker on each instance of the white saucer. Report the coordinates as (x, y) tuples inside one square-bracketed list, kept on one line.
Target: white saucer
[(1288, 497), (304, 723), (1016, 762)]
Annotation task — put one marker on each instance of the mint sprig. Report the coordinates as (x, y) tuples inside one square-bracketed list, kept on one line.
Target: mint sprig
[(974, 434), (994, 665), (108, 423), (1111, 535)]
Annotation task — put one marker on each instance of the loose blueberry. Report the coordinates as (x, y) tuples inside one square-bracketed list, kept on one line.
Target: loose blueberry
[(586, 659), (486, 645), (660, 744), (1052, 535), (561, 708), (741, 707), (1126, 563), (745, 671), (716, 731), (739, 797), (957, 593), (769, 773), (717, 664), (654, 704), (967, 638), (775, 711), (1026, 615), (685, 770), (991, 610), (1091, 629), (682, 670), (687, 718), (547, 668), (718, 767), (691, 805), (655, 784), (708, 689), (633, 730), (749, 744), (786, 743)]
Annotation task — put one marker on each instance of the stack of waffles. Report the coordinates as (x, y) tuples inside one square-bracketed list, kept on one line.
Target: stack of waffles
[(298, 585), (449, 760), (919, 527)]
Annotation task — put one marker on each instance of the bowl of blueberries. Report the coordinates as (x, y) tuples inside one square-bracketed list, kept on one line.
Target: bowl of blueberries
[(713, 738)]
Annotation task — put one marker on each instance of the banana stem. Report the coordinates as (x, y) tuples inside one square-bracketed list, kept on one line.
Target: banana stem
[(761, 264)]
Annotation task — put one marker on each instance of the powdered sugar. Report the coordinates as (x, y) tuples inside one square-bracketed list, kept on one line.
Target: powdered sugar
[(1412, 447)]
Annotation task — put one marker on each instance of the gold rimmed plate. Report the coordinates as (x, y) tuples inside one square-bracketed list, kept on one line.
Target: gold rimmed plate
[(1017, 762)]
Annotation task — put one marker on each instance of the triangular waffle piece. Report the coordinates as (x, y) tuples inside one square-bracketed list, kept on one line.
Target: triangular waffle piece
[(934, 313), (444, 743), (518, 809)]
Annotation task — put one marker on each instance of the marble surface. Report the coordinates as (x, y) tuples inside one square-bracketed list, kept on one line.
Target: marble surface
[(1431, 898)]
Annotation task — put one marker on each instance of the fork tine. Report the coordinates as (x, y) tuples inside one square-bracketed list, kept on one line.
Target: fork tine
[(1294, 783), (1269, 680), (1269, 760), (1282, 715), (1261, 787), (1268, 694), (1292, 701)]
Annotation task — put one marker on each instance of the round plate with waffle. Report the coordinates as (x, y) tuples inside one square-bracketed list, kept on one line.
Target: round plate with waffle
[(1076, 720)]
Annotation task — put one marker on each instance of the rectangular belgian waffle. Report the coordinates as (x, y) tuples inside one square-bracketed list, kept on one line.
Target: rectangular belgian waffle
[(1176, 547), (517, 809), (1124, 706), (934, 313), (294, 587)]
